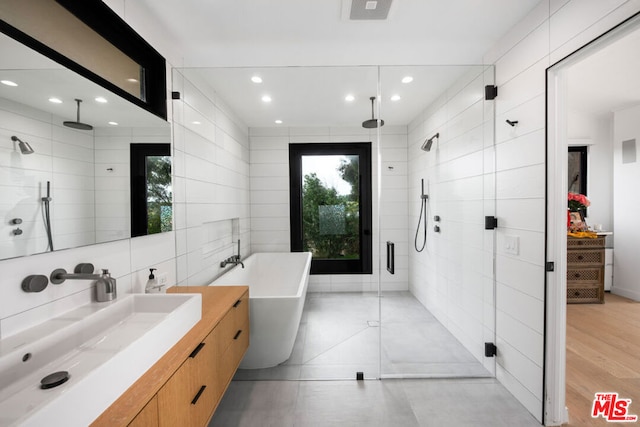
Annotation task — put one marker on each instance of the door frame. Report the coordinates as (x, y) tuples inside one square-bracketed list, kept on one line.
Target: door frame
[(555, 410)]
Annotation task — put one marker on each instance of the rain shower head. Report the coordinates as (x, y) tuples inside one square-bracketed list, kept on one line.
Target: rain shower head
[(25, 148), (78, 124), (372, 123), (426, 146)]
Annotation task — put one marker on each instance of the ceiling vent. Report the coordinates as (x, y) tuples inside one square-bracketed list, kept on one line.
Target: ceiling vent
[(369, 9)]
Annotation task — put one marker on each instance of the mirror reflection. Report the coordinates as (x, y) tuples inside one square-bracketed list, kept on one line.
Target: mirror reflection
[(65, 146)]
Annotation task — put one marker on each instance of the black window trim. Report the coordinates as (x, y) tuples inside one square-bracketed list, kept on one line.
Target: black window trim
[(362, 149), (138, 169)]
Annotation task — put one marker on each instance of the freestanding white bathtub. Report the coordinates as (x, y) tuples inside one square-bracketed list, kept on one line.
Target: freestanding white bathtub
[(277, 289)]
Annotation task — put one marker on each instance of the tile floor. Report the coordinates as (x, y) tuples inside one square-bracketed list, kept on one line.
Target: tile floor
[(371, 403), (340, 333), (338, 336)]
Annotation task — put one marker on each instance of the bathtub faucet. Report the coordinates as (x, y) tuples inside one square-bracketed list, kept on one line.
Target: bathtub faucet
[(234, 259)]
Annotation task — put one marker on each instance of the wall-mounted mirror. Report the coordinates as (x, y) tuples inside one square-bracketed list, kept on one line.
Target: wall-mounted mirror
[(87, 171)]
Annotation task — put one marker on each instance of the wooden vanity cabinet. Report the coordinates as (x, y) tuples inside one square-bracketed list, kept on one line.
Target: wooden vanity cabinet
[(185, 386), (190, 395)]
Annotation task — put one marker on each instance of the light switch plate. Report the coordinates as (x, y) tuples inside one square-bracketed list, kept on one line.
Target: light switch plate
[(512, 245)]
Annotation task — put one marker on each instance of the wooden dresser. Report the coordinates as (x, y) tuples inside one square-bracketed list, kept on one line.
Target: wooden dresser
[(185, 386), (585, 270)]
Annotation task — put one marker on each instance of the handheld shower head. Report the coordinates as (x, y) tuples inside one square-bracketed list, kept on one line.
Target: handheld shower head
[(25, 148)]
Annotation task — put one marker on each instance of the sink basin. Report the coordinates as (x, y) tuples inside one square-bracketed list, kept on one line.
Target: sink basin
[(104, 348)]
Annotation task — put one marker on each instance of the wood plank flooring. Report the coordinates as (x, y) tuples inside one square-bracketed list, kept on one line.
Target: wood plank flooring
[(603, 355)]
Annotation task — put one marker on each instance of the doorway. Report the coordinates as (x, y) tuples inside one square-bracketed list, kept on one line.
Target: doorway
[(593, 100)]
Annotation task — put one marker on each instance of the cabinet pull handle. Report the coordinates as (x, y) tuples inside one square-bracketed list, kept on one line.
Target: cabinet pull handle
[(195, 399), (237, 304), (195, 352), (237, 334)]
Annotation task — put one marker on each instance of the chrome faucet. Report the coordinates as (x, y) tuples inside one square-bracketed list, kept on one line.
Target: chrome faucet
[(105, 284), (233, 259)]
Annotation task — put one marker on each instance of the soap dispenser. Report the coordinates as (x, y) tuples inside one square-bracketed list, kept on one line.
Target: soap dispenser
[(152, 286)]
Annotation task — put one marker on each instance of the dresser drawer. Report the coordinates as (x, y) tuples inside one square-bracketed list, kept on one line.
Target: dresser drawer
[(585, 294), (573, 242), (593, 276), (585, 257)]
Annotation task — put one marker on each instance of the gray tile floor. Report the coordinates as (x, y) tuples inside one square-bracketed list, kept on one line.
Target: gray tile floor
[(340, 333), (391, 402)]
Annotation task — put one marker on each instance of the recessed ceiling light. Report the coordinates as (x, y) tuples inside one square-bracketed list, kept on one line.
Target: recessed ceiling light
[(8, 83), (371, 5), (349, 98), (113, 123), (266, 98), (407, 79), (195, 122), (256, 79), (278, 122), (55, 100), (395, 98), (132, 80), (101, 99)]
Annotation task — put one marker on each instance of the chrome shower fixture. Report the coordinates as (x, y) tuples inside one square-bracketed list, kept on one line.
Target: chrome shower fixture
[(372, 123), (78, 124), (25, 148), (426, 145)]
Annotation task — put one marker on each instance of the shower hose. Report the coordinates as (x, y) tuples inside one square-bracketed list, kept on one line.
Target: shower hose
[(421, 216)]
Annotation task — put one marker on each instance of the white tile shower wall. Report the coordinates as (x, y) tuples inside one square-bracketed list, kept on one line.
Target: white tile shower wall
[(63, 157), (554, 29), (270, 199), (211, 182), (452, 277)]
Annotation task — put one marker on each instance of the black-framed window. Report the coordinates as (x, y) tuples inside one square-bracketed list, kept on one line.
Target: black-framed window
[(577, 170), (331, 205), (151, 190)]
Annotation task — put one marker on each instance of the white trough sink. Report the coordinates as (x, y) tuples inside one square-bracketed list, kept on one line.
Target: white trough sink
[(105, 348)]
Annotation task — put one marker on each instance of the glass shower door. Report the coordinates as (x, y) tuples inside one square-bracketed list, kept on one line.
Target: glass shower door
[(437, 186)]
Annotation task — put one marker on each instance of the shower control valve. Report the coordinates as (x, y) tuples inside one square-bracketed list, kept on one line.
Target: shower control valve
[(436, 218)]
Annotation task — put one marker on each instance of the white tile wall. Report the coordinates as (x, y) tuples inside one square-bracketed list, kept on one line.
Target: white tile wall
[(62, 156), (453, 276), (270, 230), (211, 182), (551, 31)]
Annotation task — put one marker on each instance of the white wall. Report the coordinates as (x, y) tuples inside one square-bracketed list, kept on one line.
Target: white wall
[(625, 203), (270, 199), (453, 277), (596, 131), (550, 32), (211, 182)]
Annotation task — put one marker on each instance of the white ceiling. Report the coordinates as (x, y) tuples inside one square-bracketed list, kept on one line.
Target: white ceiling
[(608, 79), (305, 32)]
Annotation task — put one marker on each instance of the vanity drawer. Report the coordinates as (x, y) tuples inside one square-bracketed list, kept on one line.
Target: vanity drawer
[(233, 355), (233, 321)]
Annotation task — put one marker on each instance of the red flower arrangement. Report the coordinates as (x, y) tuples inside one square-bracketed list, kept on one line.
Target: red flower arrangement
[(577, 202)]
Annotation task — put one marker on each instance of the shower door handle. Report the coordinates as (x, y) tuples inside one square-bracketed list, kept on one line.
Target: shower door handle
[(391, 257)]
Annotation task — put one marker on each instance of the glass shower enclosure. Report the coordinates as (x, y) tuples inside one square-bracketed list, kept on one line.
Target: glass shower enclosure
[(375, 306)]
